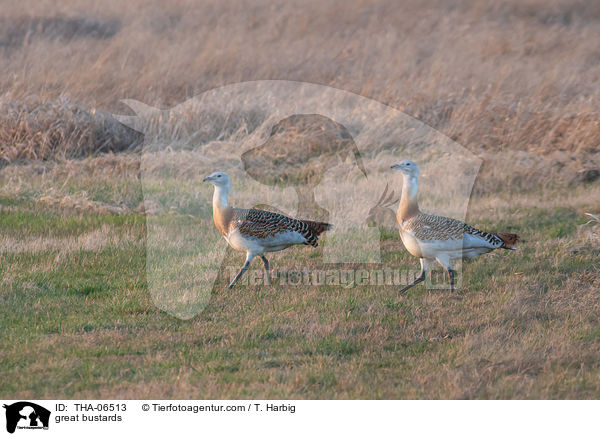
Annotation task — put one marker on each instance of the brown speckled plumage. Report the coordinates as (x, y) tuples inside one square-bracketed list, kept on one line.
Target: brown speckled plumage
[(263, 224), (429, 227)]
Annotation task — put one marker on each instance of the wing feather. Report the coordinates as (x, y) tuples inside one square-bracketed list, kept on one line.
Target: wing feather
[(265, 224), (433, 227)]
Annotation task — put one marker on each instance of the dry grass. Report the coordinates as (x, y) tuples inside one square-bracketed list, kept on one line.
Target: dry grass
[(516, 82), (32, 129), (520, 76), (592, 230), (523, 325)]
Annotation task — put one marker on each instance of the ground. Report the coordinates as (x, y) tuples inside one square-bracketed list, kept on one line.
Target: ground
[(514, 82), (79, 321)]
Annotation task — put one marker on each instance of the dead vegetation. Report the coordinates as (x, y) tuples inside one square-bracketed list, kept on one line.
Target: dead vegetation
[(517, 82), (33, 129), (18, 31), (516, 77), (592, 230)]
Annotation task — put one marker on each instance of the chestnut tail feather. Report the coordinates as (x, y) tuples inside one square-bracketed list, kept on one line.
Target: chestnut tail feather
[(317, 227), (509, 239)]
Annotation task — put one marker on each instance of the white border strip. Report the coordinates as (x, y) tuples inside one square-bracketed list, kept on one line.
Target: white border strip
[(276, 417)]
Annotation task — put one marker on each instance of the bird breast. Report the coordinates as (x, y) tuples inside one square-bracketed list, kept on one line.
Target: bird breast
[(411, 242)]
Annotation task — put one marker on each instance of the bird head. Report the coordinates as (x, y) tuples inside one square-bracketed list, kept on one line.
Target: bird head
[(408, 167), (218, 178)]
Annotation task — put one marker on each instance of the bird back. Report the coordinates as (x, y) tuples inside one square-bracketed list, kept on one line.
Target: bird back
[(263, 224)]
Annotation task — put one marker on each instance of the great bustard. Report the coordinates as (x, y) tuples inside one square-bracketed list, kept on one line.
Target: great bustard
[(431, 237), (256, 231)]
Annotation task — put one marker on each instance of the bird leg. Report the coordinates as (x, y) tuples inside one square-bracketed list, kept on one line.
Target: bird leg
[(445, 262), (266, 262), (451, 276), (239, 274), (416, 282), (242, 271), (424, 265)]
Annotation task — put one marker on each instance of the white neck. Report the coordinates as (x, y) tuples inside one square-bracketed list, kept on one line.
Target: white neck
[(408, 201), (410, 187), (220, 197)]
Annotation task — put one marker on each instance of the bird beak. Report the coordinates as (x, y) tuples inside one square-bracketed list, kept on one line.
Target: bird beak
[(395, 166), (206, 179)]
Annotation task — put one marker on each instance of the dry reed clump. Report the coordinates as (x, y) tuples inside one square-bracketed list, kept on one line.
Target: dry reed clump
[(35, 129), (18, 31)]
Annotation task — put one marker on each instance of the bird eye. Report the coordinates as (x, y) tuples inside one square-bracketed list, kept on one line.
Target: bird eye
[(219, 175)]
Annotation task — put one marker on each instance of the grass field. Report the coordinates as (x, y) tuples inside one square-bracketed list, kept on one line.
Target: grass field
[(79, 320), (517, 83)]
